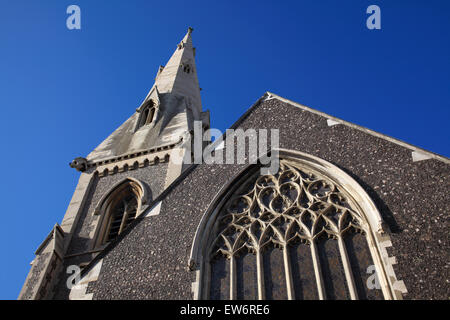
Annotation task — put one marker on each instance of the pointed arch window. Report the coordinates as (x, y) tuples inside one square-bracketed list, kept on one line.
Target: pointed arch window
[(118, 209), (123, 211), (147, 114), (297, 234)]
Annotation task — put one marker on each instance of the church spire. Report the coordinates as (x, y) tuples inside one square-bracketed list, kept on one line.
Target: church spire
[(179, 76), (166, 115)]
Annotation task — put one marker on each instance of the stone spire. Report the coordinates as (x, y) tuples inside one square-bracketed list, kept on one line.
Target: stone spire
[(176, 98), (179, 76)]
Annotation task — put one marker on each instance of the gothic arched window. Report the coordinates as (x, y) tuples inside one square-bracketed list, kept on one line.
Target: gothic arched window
[(118, 209), (297, 234), (123, 211), (147, 115)]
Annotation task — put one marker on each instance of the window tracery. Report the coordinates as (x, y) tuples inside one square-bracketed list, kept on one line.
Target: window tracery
[(292, 235)]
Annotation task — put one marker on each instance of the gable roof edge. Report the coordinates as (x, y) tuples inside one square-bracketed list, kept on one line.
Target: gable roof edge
[(269, 95)]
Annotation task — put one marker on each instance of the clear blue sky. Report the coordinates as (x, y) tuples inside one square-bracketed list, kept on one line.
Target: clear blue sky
[(63, 91)]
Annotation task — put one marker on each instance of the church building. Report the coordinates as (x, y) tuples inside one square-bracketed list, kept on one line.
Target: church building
[(348, 213)]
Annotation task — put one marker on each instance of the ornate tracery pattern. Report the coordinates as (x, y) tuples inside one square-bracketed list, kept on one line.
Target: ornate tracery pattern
[(292, 210)]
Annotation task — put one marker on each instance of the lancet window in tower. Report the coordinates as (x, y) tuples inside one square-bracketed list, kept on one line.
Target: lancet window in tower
[(147, 114), (118, 210), (292, 235), (122, 213)]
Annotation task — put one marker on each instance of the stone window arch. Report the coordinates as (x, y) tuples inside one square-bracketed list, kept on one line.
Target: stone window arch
[(118, 208), (147, 114), (307, 232)]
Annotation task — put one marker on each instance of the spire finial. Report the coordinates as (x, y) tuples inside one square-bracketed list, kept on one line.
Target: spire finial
[(190, 29)]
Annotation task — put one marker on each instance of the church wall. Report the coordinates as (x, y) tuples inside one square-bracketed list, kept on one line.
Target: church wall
[(411, 196), (151, 261), (153, 176)]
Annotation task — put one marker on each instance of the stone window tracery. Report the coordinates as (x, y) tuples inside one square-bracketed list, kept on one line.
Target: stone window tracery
[(293, 235)]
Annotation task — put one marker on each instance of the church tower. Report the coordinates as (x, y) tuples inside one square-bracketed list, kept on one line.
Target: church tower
[(123, 175)]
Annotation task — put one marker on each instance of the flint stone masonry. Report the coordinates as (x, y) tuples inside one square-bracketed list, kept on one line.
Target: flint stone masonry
[(152, 176), (150, 261)]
